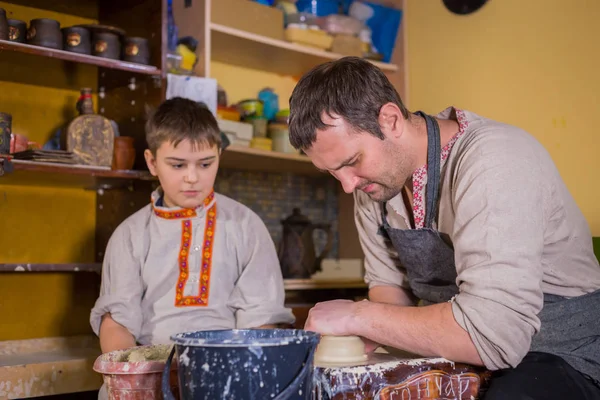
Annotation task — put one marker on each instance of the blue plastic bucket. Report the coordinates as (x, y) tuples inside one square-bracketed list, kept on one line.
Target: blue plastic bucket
[(253, 364)]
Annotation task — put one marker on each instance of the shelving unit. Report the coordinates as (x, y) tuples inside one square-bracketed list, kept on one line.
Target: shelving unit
[(33, 173), (39, 87), (289, 284), (11, 48), (252, 159), (277, 56)]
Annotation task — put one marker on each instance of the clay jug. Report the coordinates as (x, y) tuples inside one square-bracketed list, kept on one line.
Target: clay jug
[(296, 252), (124, 153), (90, 136)]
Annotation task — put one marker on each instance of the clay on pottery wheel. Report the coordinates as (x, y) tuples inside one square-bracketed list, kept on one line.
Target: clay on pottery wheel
[(340, 350)]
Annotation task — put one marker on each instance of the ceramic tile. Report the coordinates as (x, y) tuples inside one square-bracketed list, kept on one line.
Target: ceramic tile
[(273, 196)]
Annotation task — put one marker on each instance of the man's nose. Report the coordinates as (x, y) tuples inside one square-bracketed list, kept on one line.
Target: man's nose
[(348, 180)]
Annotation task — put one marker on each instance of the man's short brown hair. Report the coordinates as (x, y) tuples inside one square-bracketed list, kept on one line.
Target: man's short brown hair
[(351, 88), (178, 119)]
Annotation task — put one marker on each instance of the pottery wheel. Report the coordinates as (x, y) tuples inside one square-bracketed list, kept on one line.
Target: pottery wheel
[(340, 351)]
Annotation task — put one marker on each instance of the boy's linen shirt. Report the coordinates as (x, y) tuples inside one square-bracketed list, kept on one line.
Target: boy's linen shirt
[(142, 268)]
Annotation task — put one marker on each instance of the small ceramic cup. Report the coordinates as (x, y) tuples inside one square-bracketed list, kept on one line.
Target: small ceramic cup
[(5, 131), (17, 31), (136, 50), (3, 25), (106, 45), (77, 40), (45, 32)]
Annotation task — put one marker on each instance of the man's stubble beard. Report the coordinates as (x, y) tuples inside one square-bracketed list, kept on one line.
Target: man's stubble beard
[(399, 169)]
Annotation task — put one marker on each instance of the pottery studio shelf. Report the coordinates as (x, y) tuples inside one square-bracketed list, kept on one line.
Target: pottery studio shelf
[(238, 47), (248, 158), (289, 284), (48, 366), (28, 50), (312, 284), (66, 267), (33, 173)]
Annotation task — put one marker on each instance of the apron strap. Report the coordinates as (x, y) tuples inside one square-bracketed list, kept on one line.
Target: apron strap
[(433, 174), (433, 168)]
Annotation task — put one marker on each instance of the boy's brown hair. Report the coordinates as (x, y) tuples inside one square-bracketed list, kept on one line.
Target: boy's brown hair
[(178, 119)]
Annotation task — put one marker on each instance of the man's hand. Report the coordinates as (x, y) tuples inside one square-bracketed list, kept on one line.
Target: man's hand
[(334, 317), (429, 331)]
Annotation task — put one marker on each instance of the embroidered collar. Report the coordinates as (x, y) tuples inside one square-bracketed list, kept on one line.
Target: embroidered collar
[(420, 175), (179, 213)]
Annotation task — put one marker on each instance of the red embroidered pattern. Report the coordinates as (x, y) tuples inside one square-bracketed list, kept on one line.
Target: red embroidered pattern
[(207, 247), (184, 212), (420, 175)]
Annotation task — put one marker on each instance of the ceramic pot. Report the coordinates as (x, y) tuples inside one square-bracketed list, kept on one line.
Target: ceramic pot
[(17, 31), (77, 40), (136, 50), (45, 32), (5, 131), (106, 45), (3, 25), (124, 155)]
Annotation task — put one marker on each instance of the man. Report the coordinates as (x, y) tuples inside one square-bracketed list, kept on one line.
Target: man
[(467, 215)]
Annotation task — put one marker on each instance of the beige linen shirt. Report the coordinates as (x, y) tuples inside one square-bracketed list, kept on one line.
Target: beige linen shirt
[(517, 234), (143, 263)]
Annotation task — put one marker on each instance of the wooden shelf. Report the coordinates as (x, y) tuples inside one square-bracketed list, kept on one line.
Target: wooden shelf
[(234, 46), (248, 158), (77, 58), (289, 284), (33, 173), (310, 284), (49, 366), (67, 267)]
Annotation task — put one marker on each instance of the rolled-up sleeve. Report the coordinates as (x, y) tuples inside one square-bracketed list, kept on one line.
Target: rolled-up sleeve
[(121, 289), (382, 266), (498, 241), (258, 296)]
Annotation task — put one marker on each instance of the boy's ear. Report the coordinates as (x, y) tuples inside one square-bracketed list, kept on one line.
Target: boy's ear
[(150, 161)]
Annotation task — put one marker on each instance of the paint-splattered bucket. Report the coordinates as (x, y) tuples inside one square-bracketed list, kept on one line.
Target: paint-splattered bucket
[(254, 364)]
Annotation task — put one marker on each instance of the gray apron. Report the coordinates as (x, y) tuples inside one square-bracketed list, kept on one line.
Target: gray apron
[(570, 328)]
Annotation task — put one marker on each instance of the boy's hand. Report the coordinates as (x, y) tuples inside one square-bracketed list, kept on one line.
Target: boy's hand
[(114, 336)]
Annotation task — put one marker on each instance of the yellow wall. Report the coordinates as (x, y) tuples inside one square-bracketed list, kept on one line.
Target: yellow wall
[(44, 225), (244, 83), (529, 63)]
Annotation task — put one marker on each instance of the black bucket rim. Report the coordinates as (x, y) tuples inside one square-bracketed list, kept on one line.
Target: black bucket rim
[(296, 336)]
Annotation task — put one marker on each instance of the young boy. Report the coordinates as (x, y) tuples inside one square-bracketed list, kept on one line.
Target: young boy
[(192, 259)]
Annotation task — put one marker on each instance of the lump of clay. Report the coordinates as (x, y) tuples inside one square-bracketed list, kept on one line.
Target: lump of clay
[(340, 350), (147, 353)]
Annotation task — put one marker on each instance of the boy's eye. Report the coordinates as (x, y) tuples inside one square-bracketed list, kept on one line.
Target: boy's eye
[(177, 166), (205, 165)]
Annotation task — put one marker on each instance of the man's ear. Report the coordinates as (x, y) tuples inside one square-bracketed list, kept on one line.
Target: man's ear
[(150, 161), (391, 120)]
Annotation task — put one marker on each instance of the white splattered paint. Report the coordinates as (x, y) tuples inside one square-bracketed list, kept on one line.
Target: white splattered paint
[(184, 359), (227, 387)]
